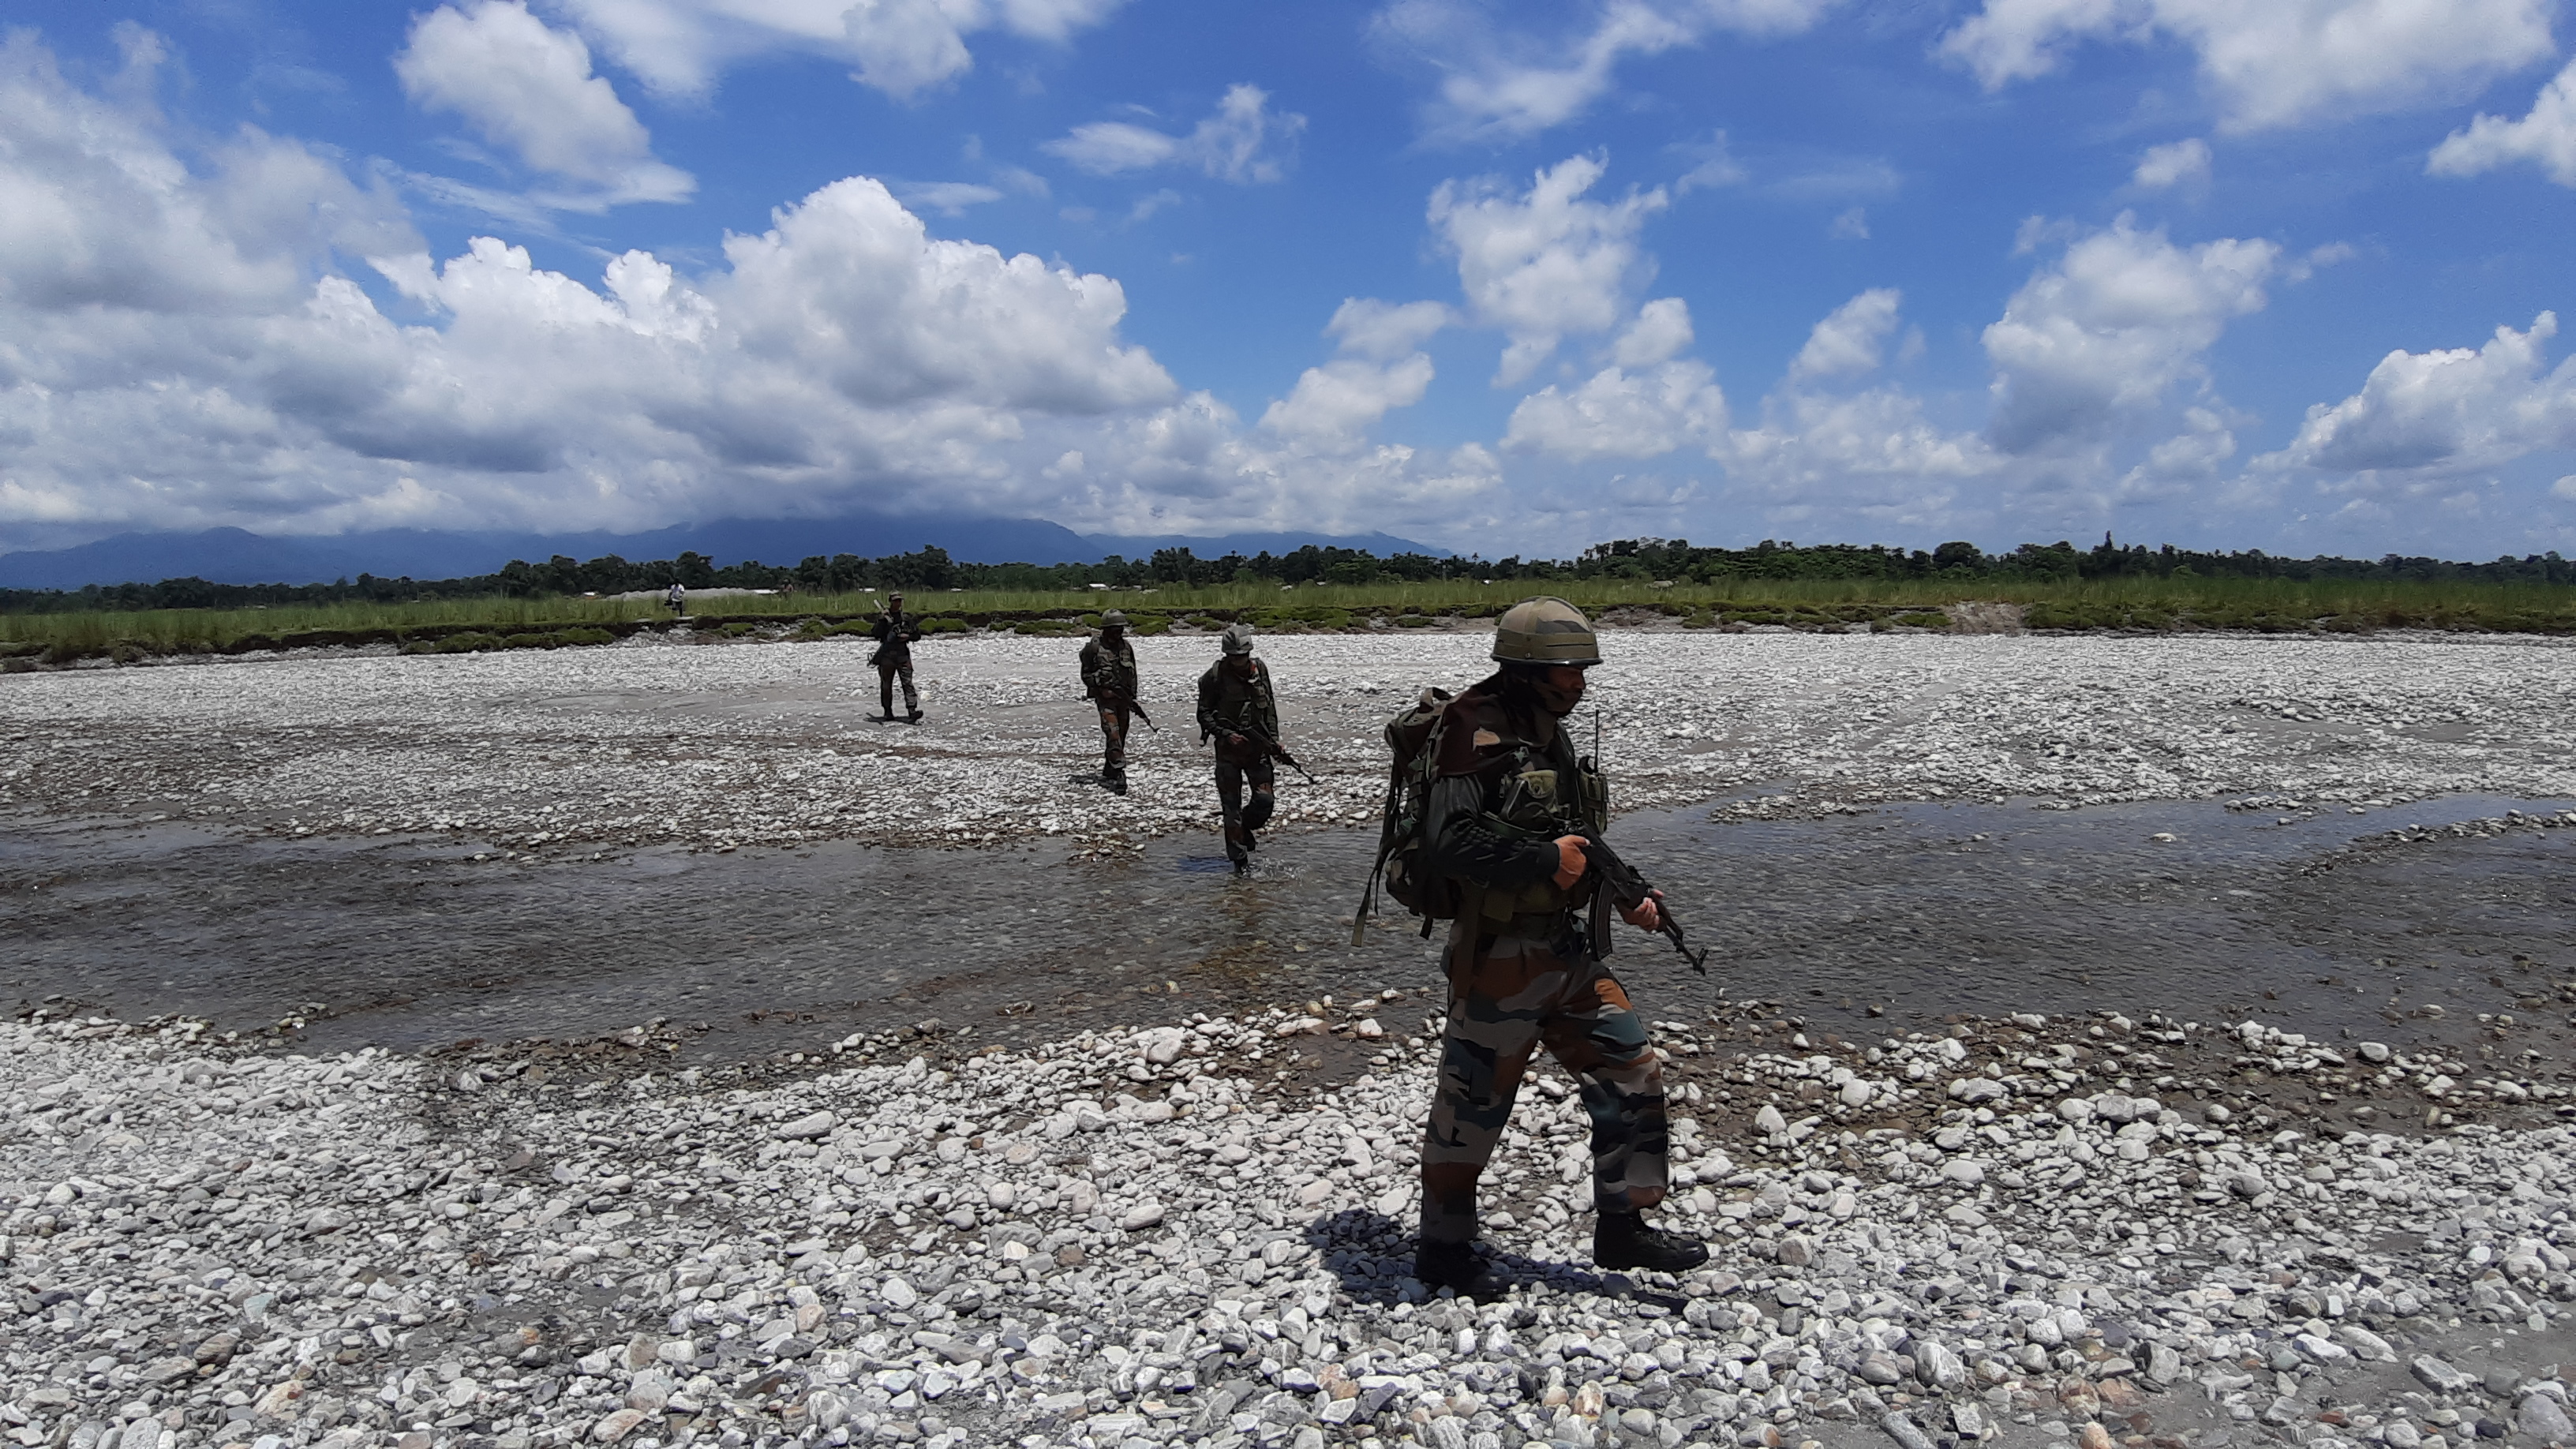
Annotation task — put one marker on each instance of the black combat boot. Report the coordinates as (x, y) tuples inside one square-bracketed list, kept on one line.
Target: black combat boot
[(1622, 1240), (1456, 1267), (915, 717)]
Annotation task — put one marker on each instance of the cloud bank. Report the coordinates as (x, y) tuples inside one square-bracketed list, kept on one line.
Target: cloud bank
[(528, 88), (901, 47), (2279, 63)]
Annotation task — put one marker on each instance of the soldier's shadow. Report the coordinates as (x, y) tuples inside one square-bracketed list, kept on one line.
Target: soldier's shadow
[(1372, 1255)]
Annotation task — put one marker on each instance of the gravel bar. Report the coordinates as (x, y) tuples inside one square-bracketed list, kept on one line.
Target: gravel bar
[(722, 744), (2030, 1232)]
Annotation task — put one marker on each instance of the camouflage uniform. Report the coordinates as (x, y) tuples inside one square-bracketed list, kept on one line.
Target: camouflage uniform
[(1234, 705), (1522, 973), (894, 632), (1110, 681)]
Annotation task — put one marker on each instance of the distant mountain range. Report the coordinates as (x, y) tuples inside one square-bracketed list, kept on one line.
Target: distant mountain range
[(234, 556)]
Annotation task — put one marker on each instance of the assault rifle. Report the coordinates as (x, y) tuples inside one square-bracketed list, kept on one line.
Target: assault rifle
[(1278, 751), (1134, 706), (1619, 884)]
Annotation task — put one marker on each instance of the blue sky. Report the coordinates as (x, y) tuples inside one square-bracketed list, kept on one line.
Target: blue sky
[(1504, 277)]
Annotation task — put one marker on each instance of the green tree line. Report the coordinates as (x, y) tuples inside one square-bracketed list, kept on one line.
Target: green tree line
[(931, 569)]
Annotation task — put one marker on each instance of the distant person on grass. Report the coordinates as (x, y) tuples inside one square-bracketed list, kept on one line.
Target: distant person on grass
[(677, 600)]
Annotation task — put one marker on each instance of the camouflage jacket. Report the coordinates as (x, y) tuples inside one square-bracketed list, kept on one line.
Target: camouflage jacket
[(894, 634), (1498, 801), (1229, 704), (1109, 670)]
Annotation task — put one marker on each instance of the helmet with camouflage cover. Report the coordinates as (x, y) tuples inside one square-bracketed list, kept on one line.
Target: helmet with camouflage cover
[(1545, 630), (1114, 619), (1237, 640)]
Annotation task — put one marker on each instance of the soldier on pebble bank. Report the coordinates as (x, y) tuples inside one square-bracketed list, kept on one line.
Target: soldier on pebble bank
[(895, 631), (1508, 801), (1238, 711), (1110, 682)]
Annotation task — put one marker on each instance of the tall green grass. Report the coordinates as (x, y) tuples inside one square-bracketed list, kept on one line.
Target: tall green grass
[(2131, 603)]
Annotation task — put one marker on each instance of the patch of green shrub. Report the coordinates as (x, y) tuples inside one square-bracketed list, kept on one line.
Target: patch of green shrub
[(1700, 620), (1414, 621), (1306, 619), (469, 642), (943, 624), (584, 636)]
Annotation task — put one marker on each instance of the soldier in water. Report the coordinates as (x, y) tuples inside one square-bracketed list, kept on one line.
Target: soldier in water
[(1109, 681), (1238, 712), (894, 632), (1509, 804)]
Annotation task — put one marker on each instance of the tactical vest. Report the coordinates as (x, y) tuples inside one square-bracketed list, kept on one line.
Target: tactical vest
[(1538, 794), (1242, 701)]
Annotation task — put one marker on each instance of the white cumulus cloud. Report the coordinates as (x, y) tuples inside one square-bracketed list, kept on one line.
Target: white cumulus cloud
[(1546, 262), (2546, 138), (2099, 338), (1368, 327), (1500, 83), (1243, 141), (1333, 406), (2177, 163), (1661, 330), (902, 47), (1855, 464), (242, 336), (1852, 340), (2445, 412), (2277, 63), (1617, 413), (528, 88)]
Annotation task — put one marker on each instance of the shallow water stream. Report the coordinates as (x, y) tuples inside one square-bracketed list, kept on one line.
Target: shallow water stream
[(1918, 911)]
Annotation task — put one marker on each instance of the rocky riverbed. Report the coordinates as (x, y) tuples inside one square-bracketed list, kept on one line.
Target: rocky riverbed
[(2029, 1232), (723, 744), (2343, 1223)]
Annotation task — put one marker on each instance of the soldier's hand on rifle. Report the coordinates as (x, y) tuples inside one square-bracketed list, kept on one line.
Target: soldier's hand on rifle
[(1571, 862), (1234, 741), (1645, 914)]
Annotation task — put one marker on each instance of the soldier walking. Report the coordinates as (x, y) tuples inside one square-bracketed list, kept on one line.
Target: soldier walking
[(1238, 712), (1110, 682), (1508, 804), (895, 632)]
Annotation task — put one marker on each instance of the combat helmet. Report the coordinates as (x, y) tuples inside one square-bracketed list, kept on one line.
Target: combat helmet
[(1545, 630), (1114, 619), (1237, 640)]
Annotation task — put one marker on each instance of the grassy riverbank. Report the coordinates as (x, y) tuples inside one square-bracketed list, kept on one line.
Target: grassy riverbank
[(2128, 603)]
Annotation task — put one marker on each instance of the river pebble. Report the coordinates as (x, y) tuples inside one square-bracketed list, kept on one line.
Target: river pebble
[(1105, 1241), (719, 745)]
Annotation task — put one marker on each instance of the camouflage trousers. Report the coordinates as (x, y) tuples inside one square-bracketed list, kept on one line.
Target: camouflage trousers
[(1508, 996), (886, 676), (1113, 738), (1233, 769)]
